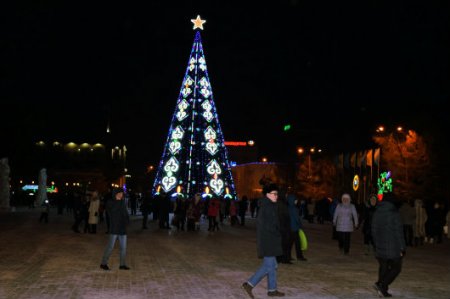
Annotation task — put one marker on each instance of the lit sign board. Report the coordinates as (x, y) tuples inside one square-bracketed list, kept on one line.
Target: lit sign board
[(34, 188), (235, 143)]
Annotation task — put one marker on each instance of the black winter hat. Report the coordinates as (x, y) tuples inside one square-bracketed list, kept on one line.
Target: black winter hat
[(117, 190), (269, 188), (391, 197)]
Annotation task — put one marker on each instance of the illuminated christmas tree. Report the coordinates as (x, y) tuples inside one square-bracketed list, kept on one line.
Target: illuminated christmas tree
[(195, 159)]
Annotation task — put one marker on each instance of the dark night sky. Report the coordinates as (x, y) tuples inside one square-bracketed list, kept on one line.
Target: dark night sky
[(333, 70)]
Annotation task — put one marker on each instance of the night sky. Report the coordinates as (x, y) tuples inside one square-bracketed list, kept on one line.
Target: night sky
[(331, 70)]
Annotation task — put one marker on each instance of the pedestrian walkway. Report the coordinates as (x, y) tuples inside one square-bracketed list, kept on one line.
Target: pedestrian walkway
[(44, 261)]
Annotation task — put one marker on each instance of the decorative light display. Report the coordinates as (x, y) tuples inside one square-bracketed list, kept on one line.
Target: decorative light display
[(195, 158), (34, 188), (384, 184), (355, 182), (198, 23)]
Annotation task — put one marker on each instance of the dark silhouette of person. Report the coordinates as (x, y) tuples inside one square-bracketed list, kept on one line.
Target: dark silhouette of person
[(119, 220), (243, 206), (145, 209), (390, 247), (164, 210)]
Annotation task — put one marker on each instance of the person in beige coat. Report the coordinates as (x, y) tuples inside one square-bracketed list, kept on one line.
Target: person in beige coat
[(419, 225), (93, 212)]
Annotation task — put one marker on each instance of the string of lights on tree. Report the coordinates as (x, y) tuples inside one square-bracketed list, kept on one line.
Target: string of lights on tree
[(195, 158)]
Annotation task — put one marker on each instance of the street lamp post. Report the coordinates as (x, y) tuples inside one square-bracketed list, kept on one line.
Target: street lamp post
[(400, 144), (311, 151)]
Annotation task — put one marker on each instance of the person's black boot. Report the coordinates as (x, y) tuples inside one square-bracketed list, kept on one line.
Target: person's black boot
[(104, 267)]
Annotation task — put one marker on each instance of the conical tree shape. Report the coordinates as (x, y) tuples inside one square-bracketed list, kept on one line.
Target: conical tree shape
[(195, 159)]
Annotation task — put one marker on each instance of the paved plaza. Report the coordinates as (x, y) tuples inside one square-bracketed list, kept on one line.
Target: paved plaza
[(51, 261)]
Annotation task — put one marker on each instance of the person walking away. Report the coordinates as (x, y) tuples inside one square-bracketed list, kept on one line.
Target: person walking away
[(45, 210), (133, 203), (197, 210), (369, 209), (345, 219), (253, 204), (77, 207), (93, 212), (408, 216), (85, 202), (119, 220), (180, 212), (164, 210), (233, 213), (268, 239), (145, 209), (387, 233), (243, 206), (213, 212), (419, 224), (311, 208), (436, 219), (295, 225)]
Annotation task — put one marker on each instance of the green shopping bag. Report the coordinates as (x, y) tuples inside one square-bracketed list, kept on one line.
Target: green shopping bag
[(303, 240)]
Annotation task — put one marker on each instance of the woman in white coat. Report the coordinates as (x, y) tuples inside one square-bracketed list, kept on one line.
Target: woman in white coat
[(93, 212), (345, 219)]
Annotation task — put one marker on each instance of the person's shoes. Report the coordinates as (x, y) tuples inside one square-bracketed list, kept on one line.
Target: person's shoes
[(275, 293), (145, 227), (301, 259), (124, 267), (104, 267), (248, 288), (381, 291), (377, 287)]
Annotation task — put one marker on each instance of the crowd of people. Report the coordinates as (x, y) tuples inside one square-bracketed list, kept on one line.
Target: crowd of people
[(389, 226)]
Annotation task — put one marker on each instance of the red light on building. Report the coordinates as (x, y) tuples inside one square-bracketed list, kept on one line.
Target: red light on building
[(235, 143)]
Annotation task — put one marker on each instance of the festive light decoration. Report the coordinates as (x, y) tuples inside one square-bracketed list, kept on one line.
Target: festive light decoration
[(34, 188), (236, 143), (198, 22), (195, 158), (355, 182), (384, 184)]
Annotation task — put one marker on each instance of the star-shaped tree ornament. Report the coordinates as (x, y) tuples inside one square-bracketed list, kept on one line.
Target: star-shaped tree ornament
[(198, 22)]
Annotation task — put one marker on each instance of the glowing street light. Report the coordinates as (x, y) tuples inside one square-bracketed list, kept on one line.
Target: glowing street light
[(399, 136), (311, 151)]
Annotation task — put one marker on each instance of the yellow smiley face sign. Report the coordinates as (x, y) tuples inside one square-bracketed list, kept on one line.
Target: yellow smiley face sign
[(355, 182)]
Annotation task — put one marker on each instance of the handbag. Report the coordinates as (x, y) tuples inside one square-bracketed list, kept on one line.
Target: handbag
[(303, 240)]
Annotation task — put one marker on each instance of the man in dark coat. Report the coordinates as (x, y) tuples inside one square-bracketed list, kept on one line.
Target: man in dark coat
[(268, 238), (119, 219), (389, 242)]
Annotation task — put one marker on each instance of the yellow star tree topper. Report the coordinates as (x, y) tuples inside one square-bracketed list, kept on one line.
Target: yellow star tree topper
[(198, 22)]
